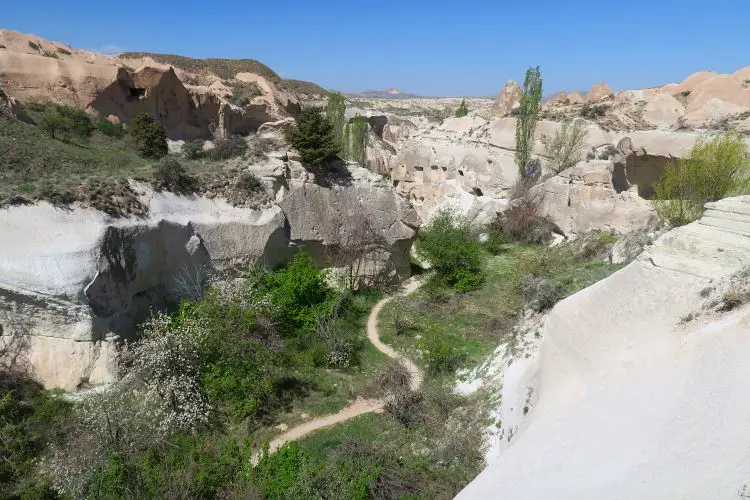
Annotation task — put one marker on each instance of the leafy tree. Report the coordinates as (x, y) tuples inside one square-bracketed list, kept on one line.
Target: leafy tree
[(313, 136), (80, 122), (565, 148), (462, 110), (528, 114), (54, 124), (110, 129), (360, 139), (716, 168), (150, 136), (335, 112), (447, 242)]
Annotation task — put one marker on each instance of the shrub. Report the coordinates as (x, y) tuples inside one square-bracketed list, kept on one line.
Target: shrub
[(110, 129), (394, 385), (462, 109), (29, 419), (49, 53), (313, 136), (63, 51), (299, 292), (521, 222), (716, 167), (594, 111), (193, 150), (243, 93), (542, 294), (441, 353), (276, 474), (149, 135), (170, 175), (565, 148), (248, 183), (54, 124), (34, 45), (528, 114), (447, 242), (227, 147)]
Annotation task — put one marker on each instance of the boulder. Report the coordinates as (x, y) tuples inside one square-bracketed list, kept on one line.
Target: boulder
[(508, 99)]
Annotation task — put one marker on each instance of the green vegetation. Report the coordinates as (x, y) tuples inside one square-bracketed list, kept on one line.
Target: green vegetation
[(224, 68), (313, 136), (27, 418), (448, 244), (716, 168), (442, 329), (303, 87), (359, 130), (170, 175), (565, 148), (335, 111), (462, 109), (149, 135), (62, 122), (528, 114), (594, 111), (243, 93)]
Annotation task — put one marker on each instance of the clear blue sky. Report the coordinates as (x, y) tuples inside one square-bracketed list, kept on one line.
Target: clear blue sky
[(458, 47)]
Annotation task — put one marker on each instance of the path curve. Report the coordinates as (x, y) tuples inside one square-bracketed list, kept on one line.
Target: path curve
[(361, 405)]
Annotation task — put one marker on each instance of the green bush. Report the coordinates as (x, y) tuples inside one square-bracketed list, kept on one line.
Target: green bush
[(110, 129), (63, 121), (227, 147), (313, 136), (192, 150), (300, 293), (716, 168), (442, 354), (149, 135), (449, 245), (243, 93), (170, 175), (29, 419), (462, 109), (277, 474), (594, 111)]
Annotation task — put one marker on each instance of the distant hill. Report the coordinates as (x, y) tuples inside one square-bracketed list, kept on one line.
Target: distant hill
[(385, 94)]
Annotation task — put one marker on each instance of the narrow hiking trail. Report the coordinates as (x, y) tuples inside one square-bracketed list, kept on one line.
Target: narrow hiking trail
[(360, 406)]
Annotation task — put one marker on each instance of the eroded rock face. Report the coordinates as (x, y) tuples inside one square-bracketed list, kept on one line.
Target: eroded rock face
[(583, 198), (36, 69), (508, 99), (626, 385), (74, 282)]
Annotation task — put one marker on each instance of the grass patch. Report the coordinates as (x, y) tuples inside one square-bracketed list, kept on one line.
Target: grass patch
[(472, 324)]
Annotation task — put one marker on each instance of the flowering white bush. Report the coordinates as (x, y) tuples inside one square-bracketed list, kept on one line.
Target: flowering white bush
[(166, 362)]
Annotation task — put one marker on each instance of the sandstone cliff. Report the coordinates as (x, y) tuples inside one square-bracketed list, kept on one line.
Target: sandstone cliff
[(74, 282)]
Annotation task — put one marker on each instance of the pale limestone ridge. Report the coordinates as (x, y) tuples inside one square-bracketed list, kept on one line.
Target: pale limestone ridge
[(630, 401)]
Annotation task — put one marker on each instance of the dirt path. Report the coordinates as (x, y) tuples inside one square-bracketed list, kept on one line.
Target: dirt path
[(360, 406)]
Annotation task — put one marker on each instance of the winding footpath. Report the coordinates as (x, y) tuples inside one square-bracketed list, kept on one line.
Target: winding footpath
[(361, 405)]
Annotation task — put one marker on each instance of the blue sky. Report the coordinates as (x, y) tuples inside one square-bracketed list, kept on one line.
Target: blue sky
[(468, 47)]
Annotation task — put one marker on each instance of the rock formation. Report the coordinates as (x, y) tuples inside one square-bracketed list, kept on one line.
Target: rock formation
[(72, 282), (634, 399), (508, 99), (36, 69)]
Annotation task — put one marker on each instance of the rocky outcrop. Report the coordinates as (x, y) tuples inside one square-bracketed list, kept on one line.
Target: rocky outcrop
[(508, 99), (628, 386), (36, 69), (598, 92), (74, 282), (583, 198)]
